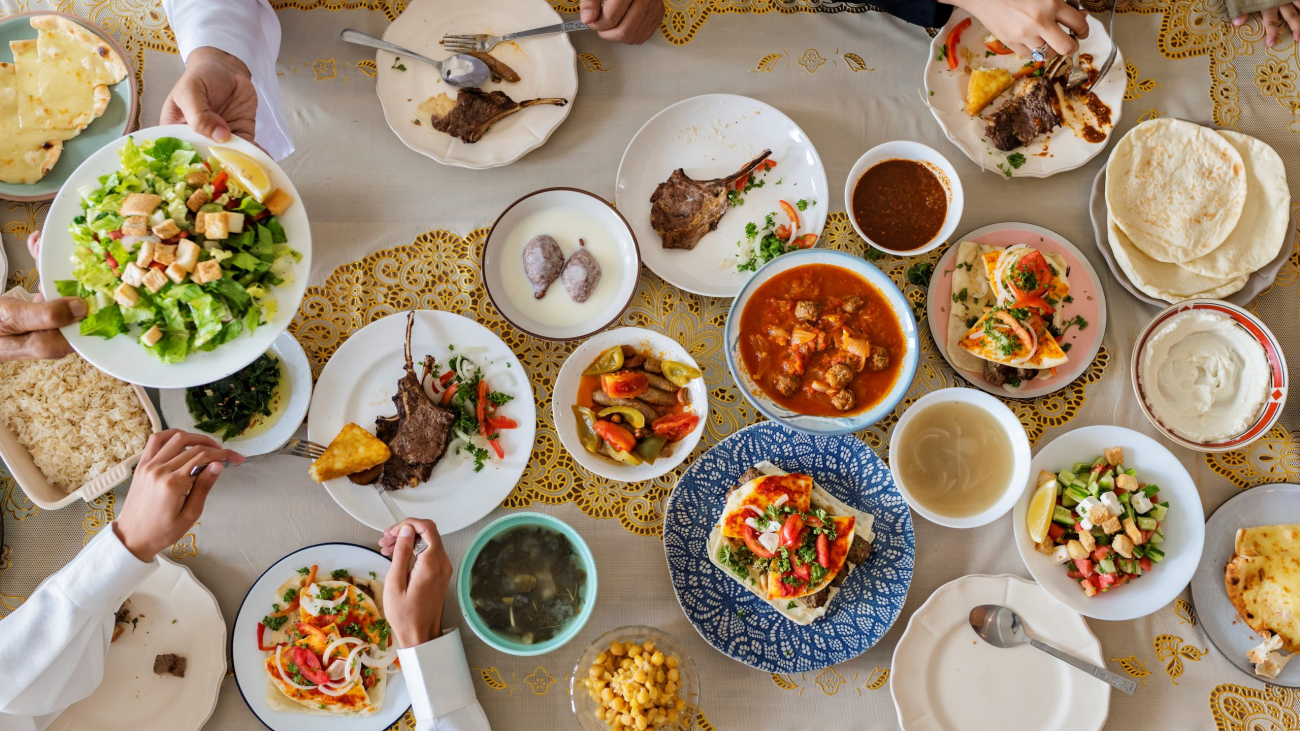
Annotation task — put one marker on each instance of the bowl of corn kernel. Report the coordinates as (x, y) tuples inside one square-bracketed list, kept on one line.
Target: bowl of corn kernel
[(635, 678)]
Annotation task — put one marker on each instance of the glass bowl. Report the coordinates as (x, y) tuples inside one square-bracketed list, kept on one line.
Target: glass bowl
[(584, 708)]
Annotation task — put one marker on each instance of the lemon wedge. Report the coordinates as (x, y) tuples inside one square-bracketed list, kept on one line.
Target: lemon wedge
[(1041, 506), (251, 175)]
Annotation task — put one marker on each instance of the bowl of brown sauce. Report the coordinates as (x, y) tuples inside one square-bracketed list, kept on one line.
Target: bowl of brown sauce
[(823, 342), (903, 198)]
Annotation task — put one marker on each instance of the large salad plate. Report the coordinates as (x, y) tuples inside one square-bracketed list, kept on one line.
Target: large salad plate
[(248, 662), (175, 615), (123, 356), (746, 628), (358, 384), (944, 678), (713, 136)]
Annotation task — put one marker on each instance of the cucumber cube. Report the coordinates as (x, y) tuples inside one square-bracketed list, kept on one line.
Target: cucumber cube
[(1063, 515), (1146, 523)]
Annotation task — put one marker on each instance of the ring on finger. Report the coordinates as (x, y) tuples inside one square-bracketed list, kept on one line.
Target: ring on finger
[(1039, 54)]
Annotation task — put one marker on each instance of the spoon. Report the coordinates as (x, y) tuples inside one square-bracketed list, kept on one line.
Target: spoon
[(459, 71), (1001, 627)]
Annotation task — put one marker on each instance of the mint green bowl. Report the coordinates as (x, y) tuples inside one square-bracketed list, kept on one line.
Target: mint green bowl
[(505, 643)]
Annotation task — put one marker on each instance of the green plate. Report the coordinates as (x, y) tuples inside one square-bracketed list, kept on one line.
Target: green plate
[(110, 126)]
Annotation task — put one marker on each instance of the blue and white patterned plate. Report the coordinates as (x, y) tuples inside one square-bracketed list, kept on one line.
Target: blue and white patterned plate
[(741, 625)]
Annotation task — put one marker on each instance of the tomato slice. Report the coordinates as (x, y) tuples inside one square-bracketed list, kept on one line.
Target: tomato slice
[(618, 437), (625, 384), (675, 427), (950, 45), (791, 213), (823, 550), (751, 540), (804, 242), (1030, 275), (782, 232), (1028, 69), (996, 46), (792, 531), (309, 666), (800, 569)]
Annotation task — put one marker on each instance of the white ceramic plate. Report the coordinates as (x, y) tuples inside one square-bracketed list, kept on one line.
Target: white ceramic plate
[(1060, 149), (1085, 287), (709, 137), (177, 615), (620, 265), (547, 67), (358, 384), (947, 679), (123, 356), (249, 662), (565, 395), (1183, 527), (288, 412), (1263, 505)]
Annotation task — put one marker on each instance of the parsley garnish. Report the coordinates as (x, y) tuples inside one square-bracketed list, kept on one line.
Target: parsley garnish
[(874, 254), (920, 273), (733, 197), (290, 595), (792, 605), (274, 623), (1015, 160), (801, 204), (304, 571), (339, 574), (398, 66), (381, 626), (960, 296), (373, 576), (498, 398), (964, 265), (1068, 299)]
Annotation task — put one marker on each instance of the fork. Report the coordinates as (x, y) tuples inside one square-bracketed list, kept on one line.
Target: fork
[(482, 43), (1078, 77)]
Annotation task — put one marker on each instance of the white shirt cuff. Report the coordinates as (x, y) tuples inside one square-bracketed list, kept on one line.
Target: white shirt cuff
[(437, 675), (103, 575)]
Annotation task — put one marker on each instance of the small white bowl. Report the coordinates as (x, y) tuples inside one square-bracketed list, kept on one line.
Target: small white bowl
[(577, 201), (1019, 447), (565, 394), (938, 164)]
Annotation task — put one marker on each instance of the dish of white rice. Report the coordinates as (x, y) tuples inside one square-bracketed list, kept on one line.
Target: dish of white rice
[(75, 420)]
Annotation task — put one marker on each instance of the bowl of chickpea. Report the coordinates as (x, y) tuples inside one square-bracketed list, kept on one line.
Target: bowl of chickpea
[(635, 678)]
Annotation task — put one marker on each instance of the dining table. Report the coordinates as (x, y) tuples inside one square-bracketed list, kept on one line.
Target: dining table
[(393, 230)]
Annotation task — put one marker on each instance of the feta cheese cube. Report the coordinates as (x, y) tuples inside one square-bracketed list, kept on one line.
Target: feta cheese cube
[(1140, 502), (1111, 501), (187, 255), (1061, 554), (1085, 524), (125, 295), (152, 336), (176, 274), (1086, 505), (132, 274)]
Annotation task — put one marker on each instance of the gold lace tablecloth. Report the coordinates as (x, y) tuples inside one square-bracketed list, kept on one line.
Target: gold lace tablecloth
[(393, 230)]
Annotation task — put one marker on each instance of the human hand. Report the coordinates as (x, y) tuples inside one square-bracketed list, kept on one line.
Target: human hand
[(215, 97), (164, 501), (30, 330), (1289, 12), (413, 595), (625, 21), (1024, 25)]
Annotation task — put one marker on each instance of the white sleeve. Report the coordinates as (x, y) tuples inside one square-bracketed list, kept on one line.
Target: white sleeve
[(442, 690), (249, 31), (52, 648)]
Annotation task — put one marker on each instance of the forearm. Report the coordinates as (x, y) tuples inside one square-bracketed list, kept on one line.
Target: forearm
[(442, 689)]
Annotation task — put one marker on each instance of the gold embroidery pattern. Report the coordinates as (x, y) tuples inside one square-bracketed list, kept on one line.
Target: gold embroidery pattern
[(1171, 651), (829, 681), (1274, 458), (493, 679), (14, 501), (1271, 708), (590, 63), (1136, 86), (1276, 79), (1183, 610), (187, 546), (367, 67), (4, 557), (26, 279), (879, 676), (811, 60), (540, 681), (325, 69), (786, 682), (1149, 115), (33, 214), (99, 513), (1133, 666), (767, 63)]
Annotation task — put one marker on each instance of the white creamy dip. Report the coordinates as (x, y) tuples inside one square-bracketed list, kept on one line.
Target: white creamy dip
[(1204, 377), (567, 227)]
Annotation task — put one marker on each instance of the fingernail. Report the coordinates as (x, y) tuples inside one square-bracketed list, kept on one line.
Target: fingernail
[(406, 530), (215, 468), (78, 307)]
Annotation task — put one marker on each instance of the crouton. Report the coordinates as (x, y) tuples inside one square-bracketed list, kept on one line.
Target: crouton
[(154, 280), (197, 179), (176, 274), (1123, 546), (1111, 526), (169, 665), (197, 200), (1076, 549), (125, 295), (140, 204), (278, 202), (1126, 482), (1046, 547), (199, 222), (1114, 456), (144, 255), (152, 336), (1098, 515), (234, 222), (165, 254), (1134, 533), (216, 226), (135, 226), (207, 271), (187, 255), (1045, 477), (166, 229), (132, 274), (1089, 543)]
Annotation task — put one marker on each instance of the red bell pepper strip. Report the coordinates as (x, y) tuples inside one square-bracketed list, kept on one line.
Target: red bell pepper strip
[(446, 395), (502, 422), (445, 378), (804, 242), (1028, 69), (496, 447), (792, 531), (219, 184), (950, 45), (305, 629), (309, 666), (791, 213), (481, 405), (261, 644), (823, 550), (112, 262), (751, 541), (996, 46), (116, 234)]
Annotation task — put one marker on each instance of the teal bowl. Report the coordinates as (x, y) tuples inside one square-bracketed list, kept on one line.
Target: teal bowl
[(505, 643)]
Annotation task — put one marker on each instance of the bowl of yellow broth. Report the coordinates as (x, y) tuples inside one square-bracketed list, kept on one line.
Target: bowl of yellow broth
[(960, 457)]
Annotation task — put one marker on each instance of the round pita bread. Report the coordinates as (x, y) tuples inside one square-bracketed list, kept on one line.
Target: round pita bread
[(1263, 225), (1169, 282), (1176, 188)]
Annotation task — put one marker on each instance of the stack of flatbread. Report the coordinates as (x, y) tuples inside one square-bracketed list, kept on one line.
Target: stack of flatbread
[(1193, 212), (55, 87)]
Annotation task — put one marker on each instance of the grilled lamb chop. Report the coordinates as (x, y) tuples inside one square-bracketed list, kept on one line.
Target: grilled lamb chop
[(999, 374), (419, 433), (683, 210), (474, 111), (1028, 114)]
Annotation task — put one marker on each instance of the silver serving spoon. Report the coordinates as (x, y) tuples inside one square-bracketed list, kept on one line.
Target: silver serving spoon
[(1001, 627), (459, 71)]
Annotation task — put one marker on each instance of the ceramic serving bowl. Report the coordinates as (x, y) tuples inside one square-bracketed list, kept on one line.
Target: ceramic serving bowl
[(917, 152), (1019, 446), (620, 263), (584, 708), (1278, 378), (505, 643), (823, 425)]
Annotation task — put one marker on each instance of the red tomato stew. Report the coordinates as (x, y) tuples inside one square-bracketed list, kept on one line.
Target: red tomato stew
[(822, 341)]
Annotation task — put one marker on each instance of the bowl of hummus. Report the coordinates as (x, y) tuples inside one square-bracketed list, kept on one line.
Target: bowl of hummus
[(1209, 375)]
